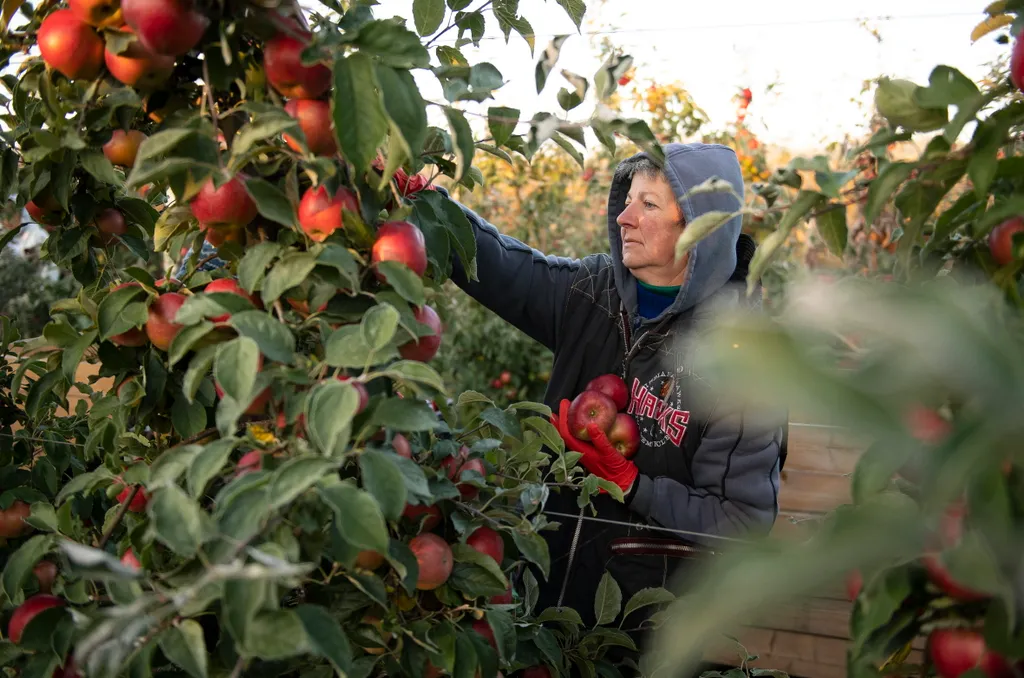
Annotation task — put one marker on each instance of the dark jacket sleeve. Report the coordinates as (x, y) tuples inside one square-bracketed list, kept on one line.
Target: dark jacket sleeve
[(523, 286), (735, 480)]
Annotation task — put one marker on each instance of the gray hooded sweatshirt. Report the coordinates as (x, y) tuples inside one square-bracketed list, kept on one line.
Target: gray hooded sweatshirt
[(707, 465)]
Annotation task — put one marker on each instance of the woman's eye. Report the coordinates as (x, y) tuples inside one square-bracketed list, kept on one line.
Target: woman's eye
[(649, 205)]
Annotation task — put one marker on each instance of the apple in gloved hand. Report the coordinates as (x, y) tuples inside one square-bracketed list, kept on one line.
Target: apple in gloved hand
[(612, 386), (591, 407), (625, 435)]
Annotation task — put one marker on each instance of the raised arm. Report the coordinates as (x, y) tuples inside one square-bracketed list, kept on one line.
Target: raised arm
[(523, 286)]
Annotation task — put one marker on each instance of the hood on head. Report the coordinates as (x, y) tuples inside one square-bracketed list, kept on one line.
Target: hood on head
[(713, 259)]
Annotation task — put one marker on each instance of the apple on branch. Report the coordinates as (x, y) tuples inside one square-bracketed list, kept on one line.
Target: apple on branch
[(109, 224), (169, 27), (316, 123), (138, 67), (320, 215), (98, 13), (402, 242), (222, 212), (160, 326), (423, 348), (71, 46), (282, 62), (123, 147)]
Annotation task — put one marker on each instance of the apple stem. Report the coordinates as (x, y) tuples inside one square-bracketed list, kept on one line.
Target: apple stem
[(279, 309)]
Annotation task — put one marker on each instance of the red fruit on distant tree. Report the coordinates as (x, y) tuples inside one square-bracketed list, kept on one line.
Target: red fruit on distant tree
[(434, 557), (316, 123), (416, 512), (123, 147), (591, 407), (27, 611), (624, 435), (109, 224), (1000, 240), (139, 501), (955, 651), (160, 326), (495, 383), (424, 348), (230, 286), (138, 67), (12, 520), (69, 45), (171, 27), (1017, 62), (401, 242), (612, 386), (487, 541), (223, 207), (505, 377), (282, 62), (320, 214)]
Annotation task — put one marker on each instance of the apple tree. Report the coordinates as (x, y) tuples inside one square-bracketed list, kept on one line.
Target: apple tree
[(930, 547), (268, 477)]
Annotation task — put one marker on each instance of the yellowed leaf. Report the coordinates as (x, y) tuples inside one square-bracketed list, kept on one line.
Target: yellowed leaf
[(990, 24)]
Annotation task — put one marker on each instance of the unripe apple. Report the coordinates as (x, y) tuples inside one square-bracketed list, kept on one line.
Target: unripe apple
[(434, 557), (109, 224), (612, 386), (1000, 240), (282, 61), (171, 27), (227, 206), (160, 326), (402, 242), (98, 13), (123, 147), (424, 348), (320, 214), (230, 286), (315, 121), (487, 541), (591, 407), (27, 611), (139, 67), (69, 45), (138, 502)]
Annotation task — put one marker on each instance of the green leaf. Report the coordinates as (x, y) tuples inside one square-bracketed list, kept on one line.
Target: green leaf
[(198, 368), (467, 554), (96, 164), (359, 118), (804, 202), (295, 476), (185, 646), (505, 422), (271, 201), (462, 135), (40, 392), (946, 87), (566, 146), (241, 601), (504, 632), (700, 228), (646, 597), (254, 264), (575, 9), (264, 126), (378, 326), (176, 520), (562, 615), (326, 637), (73, 354), (19, 564), (608, 601), (162, 142), (276, 635), (502, 122), (404, 415), (382, 478), (896, 100), (427, 15), (185, 340), (346, 347), (393, 43), (548, 60), (417, 372), (287, 273), (832, 228), (534, 548), (275, 340), (882, 188), (357, 517), (111, 317), (408, 285), (188, 418), (404, 105), (637, 131), (207, 464), (329, 411), (83, 482), (235, 367), (43, 516), (414, 479)]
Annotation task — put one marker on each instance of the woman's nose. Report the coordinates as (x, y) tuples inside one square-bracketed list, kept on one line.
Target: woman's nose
[(626, 217)]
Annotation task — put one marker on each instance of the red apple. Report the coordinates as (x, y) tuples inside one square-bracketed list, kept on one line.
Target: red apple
[(160, 326), (171, 27), (1017, 63), (109, 223), (45, 211), (315, 121), (12, 520), (402, 242), (415, 512), (98, 13), (218, 235), (854, 583), (402, 446), (230, 286), (123, 147), (591, 407), (455, 465), (45, 572), (502, 598), (624, 435), (320, 214), (484, 629), (927, 425), (134, 336), (249, 462), (258, 404), (1000, 240), (138, 67), (285, 71), (434, 557), (487, 541), (369, 560), (954, 651), (228, 206), (612, 386), (536, 672), (27, 611), (505, 377), (940, 576), (424, 348), (71, 46), (364, 395), (139, 501), (129, 559)]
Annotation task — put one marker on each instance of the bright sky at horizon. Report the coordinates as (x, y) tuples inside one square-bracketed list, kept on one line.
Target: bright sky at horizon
[(818, 55)]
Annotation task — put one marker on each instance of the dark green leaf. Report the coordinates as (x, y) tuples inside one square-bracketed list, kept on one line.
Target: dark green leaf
[(177, 520), (111, 317), (329, 411), (832, 228), (208, 464), (188, 418), (254, 264), (185, 646), (575, 9), (357, 517), (235, 367), (405, 415), (274, 339), (289, 272), (19, 564), (185, 340), (198, 368), (271, 201), (462, 135), (295, 476), (382, 478), (391, 42), (404, 105), (347, 347), (608, 601), (548, 60), (404, 280), (326, 637), (534, 548), (241, 601), (466, 554), (264, 126), (277, 635), (428, 15), (359, 118), (96, 164), (648, 596), (502, 122), (882, 188), (504, 632)]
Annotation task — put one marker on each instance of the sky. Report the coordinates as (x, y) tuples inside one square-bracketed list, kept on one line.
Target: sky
[(818, 55)]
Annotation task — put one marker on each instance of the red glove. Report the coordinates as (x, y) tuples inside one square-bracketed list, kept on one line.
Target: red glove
[(599, 457)]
